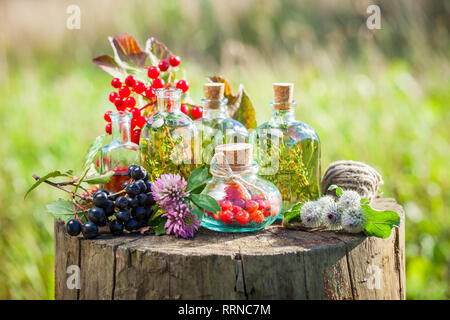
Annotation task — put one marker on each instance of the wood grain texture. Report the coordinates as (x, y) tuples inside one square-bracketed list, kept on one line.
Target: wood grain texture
[(274, 263)]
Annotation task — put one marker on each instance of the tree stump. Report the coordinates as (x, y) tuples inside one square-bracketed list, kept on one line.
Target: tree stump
[(274, 263)]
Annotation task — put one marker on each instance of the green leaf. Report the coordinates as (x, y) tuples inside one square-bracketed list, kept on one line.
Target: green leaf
[(293, 214), (365, 201), (335, 187), (157, 222), (109, 65), (205, 202), (380, 223), (49, 175), (99, 178), (159, 229), (61, 210), (93, 150), (245, 114), (196, 211), (197, 179)]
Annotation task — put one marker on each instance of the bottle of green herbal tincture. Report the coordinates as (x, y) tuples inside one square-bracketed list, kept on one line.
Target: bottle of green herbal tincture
[(288, 150)]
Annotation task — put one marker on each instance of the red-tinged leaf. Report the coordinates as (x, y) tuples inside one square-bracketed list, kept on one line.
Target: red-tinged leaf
[(127, 50), (109, 65), (158, 49), (245, 114)]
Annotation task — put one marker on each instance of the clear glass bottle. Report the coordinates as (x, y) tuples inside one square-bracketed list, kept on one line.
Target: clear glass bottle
[(167, 138), (120, 152), (216, 127), (288, 151), (248, 202)]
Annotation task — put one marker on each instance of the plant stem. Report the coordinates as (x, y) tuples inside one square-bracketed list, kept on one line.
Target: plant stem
[(36, 177)]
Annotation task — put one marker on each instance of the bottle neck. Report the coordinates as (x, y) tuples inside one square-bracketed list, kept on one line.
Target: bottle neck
[(121, 123), (169, 100), (215, 108), (281, 116)]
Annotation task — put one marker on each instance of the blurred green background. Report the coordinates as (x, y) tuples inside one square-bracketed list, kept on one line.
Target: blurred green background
[(378, 96)]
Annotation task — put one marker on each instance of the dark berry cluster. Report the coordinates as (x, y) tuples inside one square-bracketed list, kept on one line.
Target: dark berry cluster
[(124, 99), (127, 209)]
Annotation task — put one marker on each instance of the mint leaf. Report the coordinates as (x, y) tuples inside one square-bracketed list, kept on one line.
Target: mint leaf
[(293, 214), (380, 223), (205, 202), (335, 187), (49, 175), (99, 178), (93, 150), (197, 179), (196, 211), (61, 210)]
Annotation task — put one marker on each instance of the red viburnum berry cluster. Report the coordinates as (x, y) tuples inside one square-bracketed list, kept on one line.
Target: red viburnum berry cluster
[(124, 99)]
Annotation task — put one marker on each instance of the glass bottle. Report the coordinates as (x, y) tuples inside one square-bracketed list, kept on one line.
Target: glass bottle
[(120, 152), (288, 151), (248, 202), (167, 138), (216, 127)]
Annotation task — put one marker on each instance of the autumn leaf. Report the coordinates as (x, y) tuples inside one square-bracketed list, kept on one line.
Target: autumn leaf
[(127, 50)]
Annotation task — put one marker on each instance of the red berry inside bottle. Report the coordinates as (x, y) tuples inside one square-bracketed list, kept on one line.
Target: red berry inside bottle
[(227, 217), (130, 81), (183, 85), (116, 83), (174, 61), (163, 65), (251, 206), (226, 205), (242, 217), (153, 72)]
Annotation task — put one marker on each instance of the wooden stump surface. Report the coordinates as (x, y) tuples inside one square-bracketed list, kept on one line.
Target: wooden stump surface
[(274, 263)]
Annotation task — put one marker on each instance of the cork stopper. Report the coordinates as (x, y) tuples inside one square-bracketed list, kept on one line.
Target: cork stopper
[(214, 92), (283, 95), (238, 155)]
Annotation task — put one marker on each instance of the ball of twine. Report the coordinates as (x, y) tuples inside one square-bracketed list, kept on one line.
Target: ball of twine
[(352, 175)]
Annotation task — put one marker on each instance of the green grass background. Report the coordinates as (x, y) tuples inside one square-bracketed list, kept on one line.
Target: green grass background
[(381, 97)]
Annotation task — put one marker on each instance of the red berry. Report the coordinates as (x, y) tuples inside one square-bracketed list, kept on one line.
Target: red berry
[(106, 116), (153, 72), (163, 65), (158, 83), (257, 216), (140, 122), (113, 96), (150, 92), (226, 205), (116, 83), (183, 85), (118, 103), (236, 209), (184, 109), (136, 112), (174, 61), (108, 128), (251, 206), (124, 92), (196, 112), (130, 102), (139, 87), (135, 136), (130, 81), (227, 217), (243, 217), (133, 123)]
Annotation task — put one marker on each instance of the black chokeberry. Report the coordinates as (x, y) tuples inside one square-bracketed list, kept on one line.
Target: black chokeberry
[(97, 216), (73, 227), (100, 199), (116, 227), (132, 224), (89, 230), (142, 198), (123, 216), (99, 191), (133, 189), (124, 185), (146, 177), (121, 202), (149, 186), (138, 173), (131, 168), (133, 202), (142, 186), (139, 213), (150, 201), (109, 208), (112, 196)]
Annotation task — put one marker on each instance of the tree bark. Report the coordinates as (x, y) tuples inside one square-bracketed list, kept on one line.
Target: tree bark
[(274, 263)]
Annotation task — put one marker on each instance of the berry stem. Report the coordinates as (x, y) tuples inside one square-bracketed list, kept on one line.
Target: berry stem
[(36, 177)]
